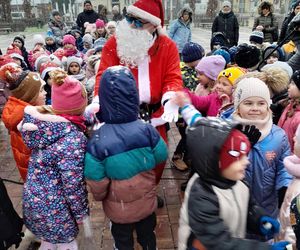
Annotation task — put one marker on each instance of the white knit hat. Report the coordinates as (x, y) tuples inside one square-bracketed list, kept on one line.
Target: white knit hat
[(250, 87), (38, 38), (226, 3), (297, 134)]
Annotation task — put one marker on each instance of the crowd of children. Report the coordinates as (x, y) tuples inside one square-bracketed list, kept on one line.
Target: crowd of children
[(240, 137)]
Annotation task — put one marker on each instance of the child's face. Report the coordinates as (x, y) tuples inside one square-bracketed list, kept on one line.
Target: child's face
[(17, 43), (69, 46), (293, 91), (101, 30), (253, 108), (74, 68), (223, 86), (49, 41), (236, 170), (272, 59), (87, 45), (17, 61), (111, 30), (41, 99), (203, 79)]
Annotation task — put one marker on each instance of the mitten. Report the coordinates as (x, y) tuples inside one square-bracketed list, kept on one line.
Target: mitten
[(170, 112), (269, 226), (280, 245), (251, 132)]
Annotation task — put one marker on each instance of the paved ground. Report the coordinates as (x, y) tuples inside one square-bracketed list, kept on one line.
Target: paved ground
[(169, 188), (201, 36)]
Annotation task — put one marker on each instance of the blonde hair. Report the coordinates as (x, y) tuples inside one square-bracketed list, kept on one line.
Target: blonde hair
[(275, 78)]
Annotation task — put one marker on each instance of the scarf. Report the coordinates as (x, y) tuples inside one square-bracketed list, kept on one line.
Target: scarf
[(70, 52), (75, 119), (264, 125)]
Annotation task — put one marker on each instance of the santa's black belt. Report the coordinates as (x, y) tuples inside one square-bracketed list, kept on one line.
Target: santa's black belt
[(146, 110)]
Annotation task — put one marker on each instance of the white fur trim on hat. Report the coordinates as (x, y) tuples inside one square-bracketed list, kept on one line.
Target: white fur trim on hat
[(16, 55), (133, 10), (46, 70), (250, 87)]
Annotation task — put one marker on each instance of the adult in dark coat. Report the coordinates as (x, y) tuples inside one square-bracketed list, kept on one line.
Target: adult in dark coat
[(227, 23), (88, 15), (287, 20), (117, 16), (266, 22)]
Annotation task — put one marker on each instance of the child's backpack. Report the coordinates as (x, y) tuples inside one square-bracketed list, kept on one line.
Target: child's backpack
[(10, 222)]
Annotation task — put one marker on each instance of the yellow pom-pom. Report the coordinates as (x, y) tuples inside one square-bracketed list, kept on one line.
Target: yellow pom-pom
[(58, 76)]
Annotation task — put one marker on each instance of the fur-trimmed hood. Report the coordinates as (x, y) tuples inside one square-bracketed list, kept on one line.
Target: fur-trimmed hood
[(263, 4), (187, 9), (41, 130)]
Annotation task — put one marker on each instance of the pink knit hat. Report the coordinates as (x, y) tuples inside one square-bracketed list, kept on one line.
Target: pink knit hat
[(211, 66), (100, 24), (69, 39), (68, 94)]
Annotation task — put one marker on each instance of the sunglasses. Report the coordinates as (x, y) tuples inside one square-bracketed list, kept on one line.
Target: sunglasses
[(137, 22)]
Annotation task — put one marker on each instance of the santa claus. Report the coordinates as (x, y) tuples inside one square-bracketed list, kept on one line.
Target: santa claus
[(153, 58)]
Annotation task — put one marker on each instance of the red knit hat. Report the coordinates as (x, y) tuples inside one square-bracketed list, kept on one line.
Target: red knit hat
[(5, 59), (68, 94), (69, 39), (235, 146), (148, 10), (12, 49)]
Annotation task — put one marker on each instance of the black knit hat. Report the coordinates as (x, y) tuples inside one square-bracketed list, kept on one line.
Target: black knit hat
[(296, 78), (21, 38), (192, 52), (55, 13), (247, 56), (87, 1)]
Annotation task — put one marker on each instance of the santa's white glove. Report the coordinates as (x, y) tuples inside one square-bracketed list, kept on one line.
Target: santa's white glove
[(87, 228), (170, 112)]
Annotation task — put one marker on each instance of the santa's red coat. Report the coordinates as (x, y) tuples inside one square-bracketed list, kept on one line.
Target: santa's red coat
[(164, 72)]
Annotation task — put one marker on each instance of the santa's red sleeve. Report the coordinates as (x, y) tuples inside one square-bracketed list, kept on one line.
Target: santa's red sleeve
[(109, 58)]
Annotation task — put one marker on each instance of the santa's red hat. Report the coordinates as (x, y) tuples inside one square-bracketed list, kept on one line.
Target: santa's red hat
[(148, 10)]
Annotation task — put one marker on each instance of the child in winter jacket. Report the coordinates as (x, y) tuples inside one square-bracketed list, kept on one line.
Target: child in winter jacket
[(216, 193), (191, 55), (266, 175), (290, 118), (55, 196), (26, 88), (120, 160), (292, 165)]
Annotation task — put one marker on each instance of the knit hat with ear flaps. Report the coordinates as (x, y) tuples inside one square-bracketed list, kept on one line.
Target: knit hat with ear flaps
[(211, 66), (68, 94), (250, 87), (148, 10), (75, 59), (27, 86)]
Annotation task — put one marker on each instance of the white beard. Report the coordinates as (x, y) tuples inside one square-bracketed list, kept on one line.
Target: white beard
[(132, 44)]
